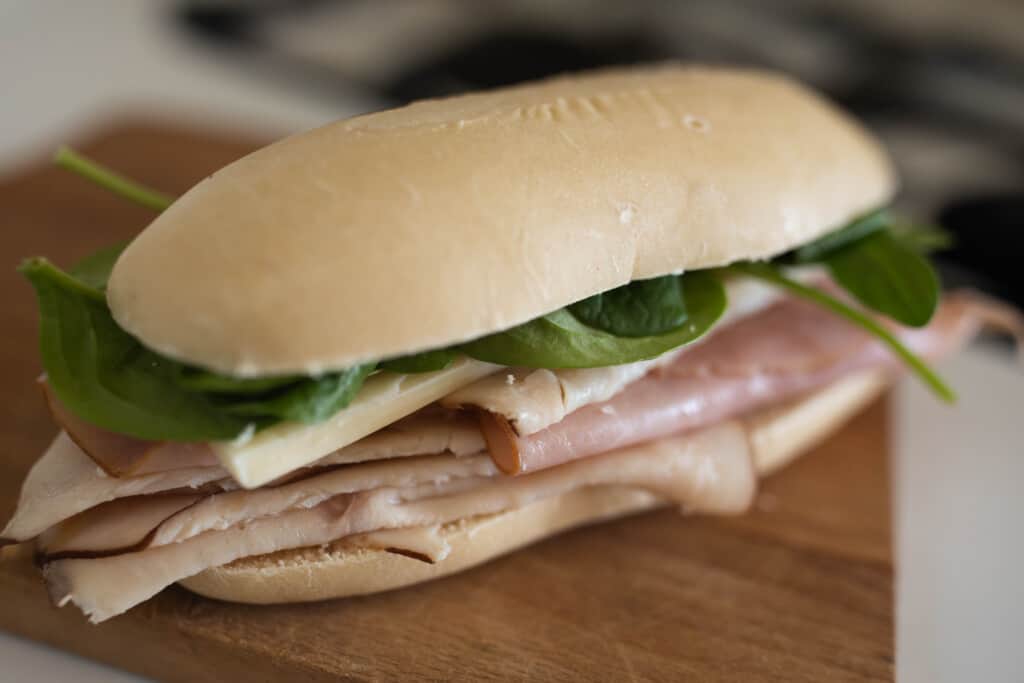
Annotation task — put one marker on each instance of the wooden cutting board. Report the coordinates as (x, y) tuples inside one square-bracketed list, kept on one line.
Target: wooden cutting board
[(800, 589)]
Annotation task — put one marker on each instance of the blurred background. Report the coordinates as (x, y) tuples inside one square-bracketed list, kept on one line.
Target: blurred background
[(941, 81)]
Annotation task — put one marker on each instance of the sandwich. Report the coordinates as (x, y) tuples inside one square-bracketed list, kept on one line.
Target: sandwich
[(402, 344)]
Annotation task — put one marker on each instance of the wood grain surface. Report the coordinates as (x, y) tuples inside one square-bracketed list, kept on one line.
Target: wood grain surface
[(800, 589)]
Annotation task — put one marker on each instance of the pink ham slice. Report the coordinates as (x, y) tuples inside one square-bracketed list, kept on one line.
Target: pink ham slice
[(126, 456), (788, 349)]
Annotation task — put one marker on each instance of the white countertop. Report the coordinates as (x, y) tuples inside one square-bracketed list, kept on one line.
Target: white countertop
[(957, 478), (960, 602)]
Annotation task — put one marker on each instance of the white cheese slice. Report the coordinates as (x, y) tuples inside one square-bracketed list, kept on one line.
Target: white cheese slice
[(385, 398)]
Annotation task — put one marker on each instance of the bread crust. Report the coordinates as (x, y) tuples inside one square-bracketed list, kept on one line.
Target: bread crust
[(449, 219), (775, 436)]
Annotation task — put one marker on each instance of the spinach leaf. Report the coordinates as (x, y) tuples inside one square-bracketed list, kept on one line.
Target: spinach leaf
[(856, 230), (881, 270), (772, 273), (197, 379), (560, 340), (924, 238), (887, 276), (105, 376), (311, 400), (428, 361), (94, 270), (636, 309)]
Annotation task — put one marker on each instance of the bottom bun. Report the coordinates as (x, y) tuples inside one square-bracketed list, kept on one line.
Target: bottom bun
[(776, 436)]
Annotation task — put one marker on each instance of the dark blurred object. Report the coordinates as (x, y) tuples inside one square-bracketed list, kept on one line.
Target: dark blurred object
[(987, 233), (507, 57), (404, 50), (942, 82)]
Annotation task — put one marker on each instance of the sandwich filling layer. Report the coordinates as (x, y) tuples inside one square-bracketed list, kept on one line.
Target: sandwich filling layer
[(112, 537)]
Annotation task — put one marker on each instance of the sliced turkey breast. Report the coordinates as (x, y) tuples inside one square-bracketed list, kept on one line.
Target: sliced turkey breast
[(65, 481), (708, 471)]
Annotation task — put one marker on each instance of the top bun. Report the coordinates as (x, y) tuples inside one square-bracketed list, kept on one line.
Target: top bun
[(448, 219)]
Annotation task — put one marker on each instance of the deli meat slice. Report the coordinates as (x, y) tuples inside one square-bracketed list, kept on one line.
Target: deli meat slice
[(65, 481), (126, 456), (423, 433), (116, 527), (711, 471), (145, 521), (786, 350), (430, 473)]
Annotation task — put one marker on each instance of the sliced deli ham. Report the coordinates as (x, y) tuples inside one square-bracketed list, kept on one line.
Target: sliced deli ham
[(126, 456), (531, 400), (788, 349)]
